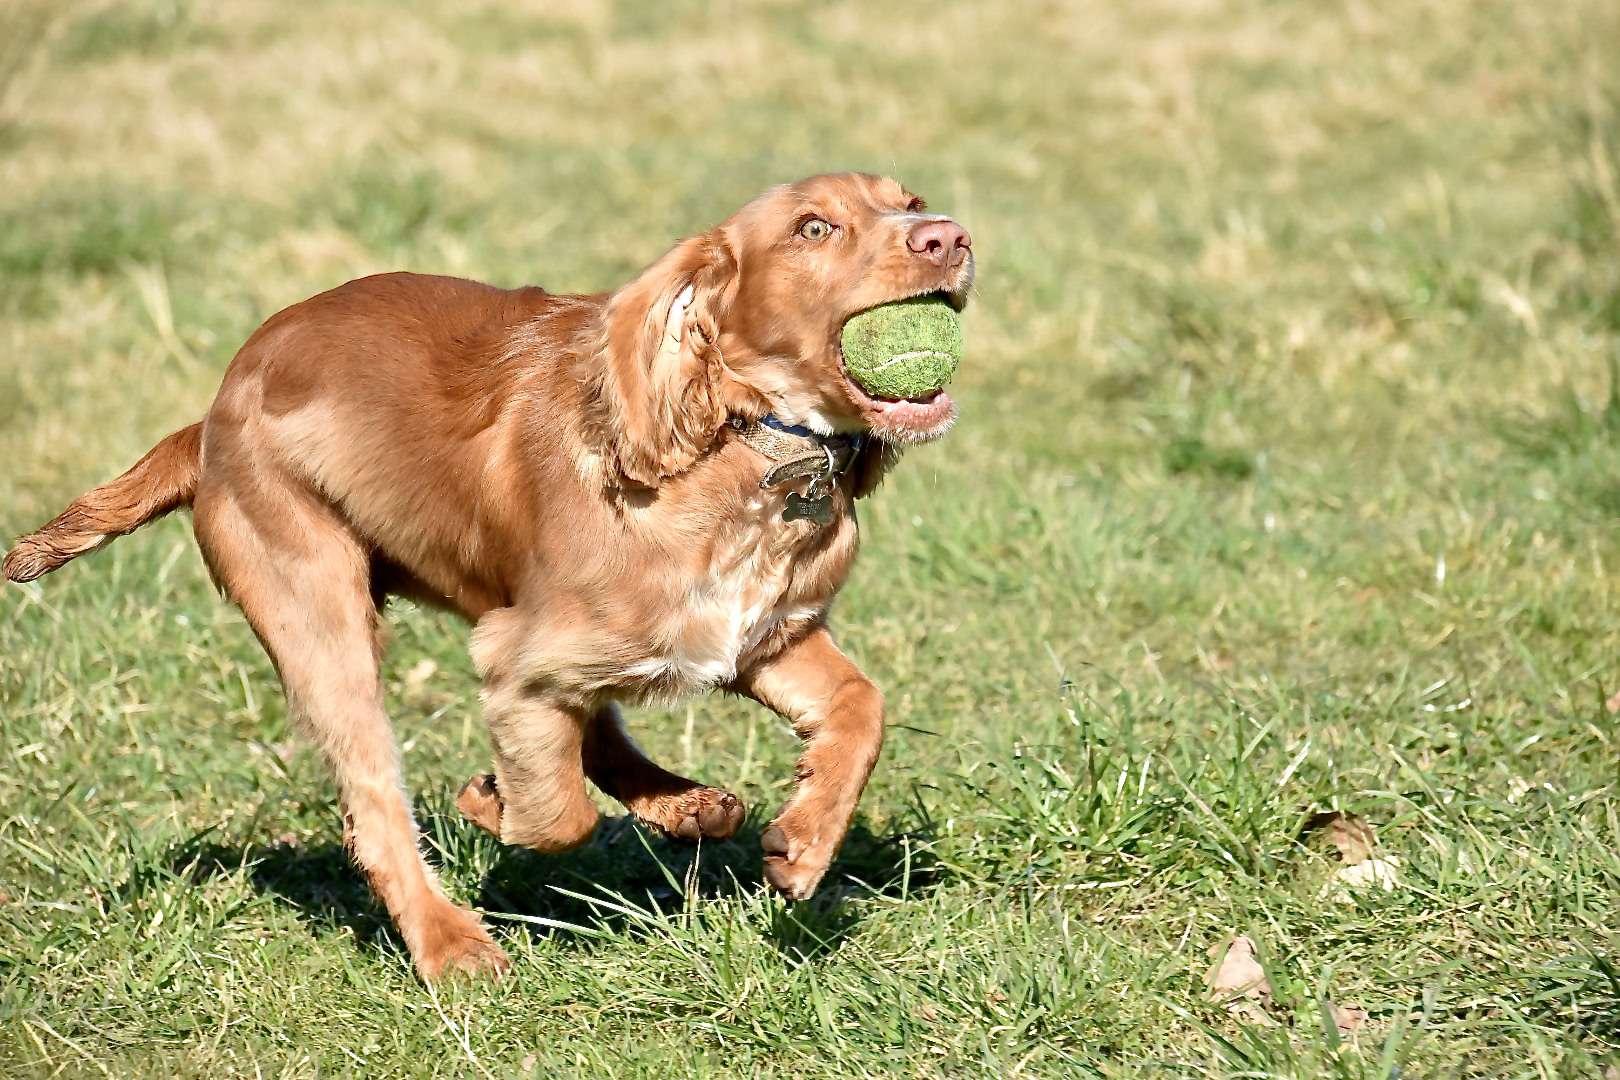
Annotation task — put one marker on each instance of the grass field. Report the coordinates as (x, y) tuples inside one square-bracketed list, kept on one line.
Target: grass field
[(1286, 482)]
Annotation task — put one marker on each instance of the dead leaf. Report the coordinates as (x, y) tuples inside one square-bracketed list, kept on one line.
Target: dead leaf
[(418, 676), (528, 1063), (1349, 1018), (1236, 971), (1372, 874), (1237, 981), (1349, 833)]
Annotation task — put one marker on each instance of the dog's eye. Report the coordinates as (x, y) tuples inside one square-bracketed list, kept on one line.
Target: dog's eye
[(816, 229)]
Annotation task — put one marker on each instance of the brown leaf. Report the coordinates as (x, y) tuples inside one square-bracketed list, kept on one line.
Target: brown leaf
[(1349, 1018), (1237, 981), (1349, 833), (418, 677), (1363, 877)]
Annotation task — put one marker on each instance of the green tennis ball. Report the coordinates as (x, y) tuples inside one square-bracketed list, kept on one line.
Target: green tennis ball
[(907, 349)]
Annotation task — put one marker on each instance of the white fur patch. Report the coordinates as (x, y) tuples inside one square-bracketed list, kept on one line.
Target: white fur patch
[(669, 349), (727, 613)]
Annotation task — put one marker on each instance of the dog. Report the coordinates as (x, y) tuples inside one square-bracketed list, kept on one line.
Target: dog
[(611, 488)]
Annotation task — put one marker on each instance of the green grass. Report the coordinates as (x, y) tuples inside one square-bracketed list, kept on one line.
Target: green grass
[(1286, 481)]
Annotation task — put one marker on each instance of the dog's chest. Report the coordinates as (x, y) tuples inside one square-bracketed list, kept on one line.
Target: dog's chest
[(754, 584)]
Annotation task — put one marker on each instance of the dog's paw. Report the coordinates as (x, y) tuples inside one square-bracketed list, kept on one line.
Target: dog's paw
[(454, 942), (794, 864), (478, 959), (481, 804), (702, 813)]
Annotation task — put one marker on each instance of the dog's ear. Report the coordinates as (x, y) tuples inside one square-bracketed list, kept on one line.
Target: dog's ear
[(657, 373), (874, 461)]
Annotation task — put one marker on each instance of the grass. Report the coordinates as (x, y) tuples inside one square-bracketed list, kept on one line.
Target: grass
[(1286, 482)]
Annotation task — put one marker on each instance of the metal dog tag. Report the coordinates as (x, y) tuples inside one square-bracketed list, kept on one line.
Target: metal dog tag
[(818, 510)]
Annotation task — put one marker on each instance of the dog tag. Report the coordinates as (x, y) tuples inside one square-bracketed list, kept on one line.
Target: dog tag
[(818, 510)]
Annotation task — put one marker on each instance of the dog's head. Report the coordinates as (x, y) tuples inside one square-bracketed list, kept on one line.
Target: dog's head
[(746, 319)]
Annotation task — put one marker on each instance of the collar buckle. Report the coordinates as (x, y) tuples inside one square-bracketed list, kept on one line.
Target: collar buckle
[(797, 451)]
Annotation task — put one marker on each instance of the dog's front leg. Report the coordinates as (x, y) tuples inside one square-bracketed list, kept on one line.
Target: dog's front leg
[(839, 713), (537, 796)]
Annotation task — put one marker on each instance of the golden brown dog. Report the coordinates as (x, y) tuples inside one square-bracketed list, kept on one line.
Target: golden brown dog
[(634, 496)]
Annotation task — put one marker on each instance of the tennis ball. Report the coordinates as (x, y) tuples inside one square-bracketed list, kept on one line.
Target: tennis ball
[(907, 349)]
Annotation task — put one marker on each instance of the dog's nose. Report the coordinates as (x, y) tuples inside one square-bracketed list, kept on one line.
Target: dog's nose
[(943, 242)]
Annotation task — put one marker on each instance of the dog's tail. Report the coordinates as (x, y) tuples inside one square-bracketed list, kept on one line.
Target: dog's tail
[(164, 479)]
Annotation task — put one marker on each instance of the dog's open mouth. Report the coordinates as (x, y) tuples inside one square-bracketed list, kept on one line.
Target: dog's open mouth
[(913, 419)]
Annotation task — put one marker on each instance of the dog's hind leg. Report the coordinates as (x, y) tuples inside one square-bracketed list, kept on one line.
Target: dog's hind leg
[(300, 576)]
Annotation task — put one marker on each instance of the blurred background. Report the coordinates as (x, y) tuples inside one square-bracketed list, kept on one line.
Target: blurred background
[(1285, 483)]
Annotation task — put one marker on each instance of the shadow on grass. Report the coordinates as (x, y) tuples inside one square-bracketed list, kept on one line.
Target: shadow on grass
[(625, 882), (626, 868)]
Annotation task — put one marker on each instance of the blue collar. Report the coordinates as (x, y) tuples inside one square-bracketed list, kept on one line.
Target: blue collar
[(837, 442), (797, 451), (792, 429)]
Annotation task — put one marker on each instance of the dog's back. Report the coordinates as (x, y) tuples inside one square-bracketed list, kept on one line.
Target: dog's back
[(392, 398)]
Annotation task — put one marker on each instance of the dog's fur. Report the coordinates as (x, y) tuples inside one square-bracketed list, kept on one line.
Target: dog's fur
[(560, 471)]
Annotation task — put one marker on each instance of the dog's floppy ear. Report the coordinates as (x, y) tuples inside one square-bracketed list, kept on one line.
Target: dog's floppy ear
[(657, 371)]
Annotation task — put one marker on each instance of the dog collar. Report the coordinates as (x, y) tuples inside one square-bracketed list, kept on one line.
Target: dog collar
[(795, 452)]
